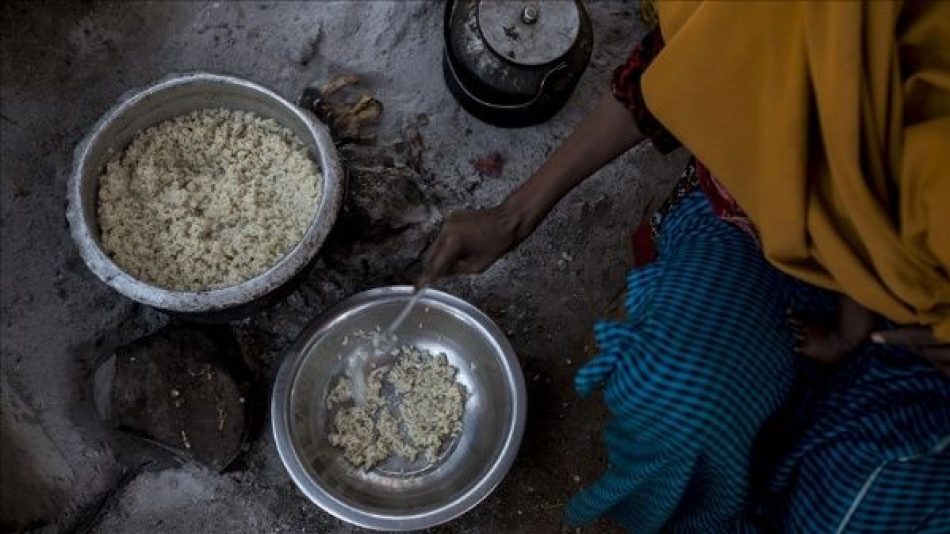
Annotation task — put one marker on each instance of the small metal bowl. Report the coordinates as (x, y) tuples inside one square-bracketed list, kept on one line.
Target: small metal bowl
[(168, 98), (468, 468)]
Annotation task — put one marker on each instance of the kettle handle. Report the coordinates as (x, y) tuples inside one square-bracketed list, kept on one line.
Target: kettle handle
[(510, 107)]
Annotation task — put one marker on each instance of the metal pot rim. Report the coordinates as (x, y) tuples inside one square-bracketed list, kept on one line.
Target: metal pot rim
[(214, 299), (280, 417)]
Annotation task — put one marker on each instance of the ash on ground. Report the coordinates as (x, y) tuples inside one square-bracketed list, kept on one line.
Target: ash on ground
[(64, 64)]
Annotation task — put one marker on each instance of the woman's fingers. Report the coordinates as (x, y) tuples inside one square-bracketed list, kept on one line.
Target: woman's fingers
[(468, 243), (440, 258), (472, 264), (939, 354), (464, 266), (920, 340), (918, 336)]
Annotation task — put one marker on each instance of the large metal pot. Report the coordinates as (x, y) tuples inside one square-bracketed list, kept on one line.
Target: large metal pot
[(168, 98)]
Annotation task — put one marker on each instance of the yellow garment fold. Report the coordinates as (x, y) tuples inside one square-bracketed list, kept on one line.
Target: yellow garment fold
[(829, 122)]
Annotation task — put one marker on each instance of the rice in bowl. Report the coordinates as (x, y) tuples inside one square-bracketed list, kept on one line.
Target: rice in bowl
[(207, 200)]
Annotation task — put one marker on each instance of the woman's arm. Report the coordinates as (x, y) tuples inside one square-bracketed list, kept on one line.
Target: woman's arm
[(469, 242), (606, 132)]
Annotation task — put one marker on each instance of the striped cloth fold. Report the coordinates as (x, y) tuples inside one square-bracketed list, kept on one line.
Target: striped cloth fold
[(702, 363)]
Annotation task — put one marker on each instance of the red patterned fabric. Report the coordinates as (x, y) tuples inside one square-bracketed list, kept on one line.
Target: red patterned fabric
[(625, 86), (724, 206), (643, 244), (643, 238)]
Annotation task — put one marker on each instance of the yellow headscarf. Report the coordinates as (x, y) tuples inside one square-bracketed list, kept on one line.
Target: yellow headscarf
[(829, 122)]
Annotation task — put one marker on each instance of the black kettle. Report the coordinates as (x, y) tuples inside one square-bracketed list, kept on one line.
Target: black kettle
[(515, 63)]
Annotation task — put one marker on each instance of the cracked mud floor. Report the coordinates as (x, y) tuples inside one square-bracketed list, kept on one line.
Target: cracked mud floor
[(64, 63)]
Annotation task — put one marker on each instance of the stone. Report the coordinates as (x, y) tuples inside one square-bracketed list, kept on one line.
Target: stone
[(180, 388)]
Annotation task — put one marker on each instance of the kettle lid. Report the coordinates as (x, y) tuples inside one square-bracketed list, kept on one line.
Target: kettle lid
[(530, 32)]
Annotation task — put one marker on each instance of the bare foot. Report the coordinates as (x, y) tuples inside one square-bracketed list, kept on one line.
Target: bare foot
[(829, 344), (816, 340)]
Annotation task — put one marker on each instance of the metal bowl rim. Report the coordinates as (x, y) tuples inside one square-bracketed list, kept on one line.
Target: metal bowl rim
[(280, 414), (220, 298)]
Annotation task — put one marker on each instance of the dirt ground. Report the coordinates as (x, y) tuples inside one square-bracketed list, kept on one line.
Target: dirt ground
[(64, 64)]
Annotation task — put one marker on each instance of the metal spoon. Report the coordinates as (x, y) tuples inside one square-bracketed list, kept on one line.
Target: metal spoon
[(376, 350)]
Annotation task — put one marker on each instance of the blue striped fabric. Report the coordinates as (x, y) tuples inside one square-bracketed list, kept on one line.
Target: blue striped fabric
[(870, 451), (700, 365)]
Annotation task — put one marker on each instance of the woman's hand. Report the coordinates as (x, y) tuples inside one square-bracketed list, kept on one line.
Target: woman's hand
[(920, 340), (471, 241)]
